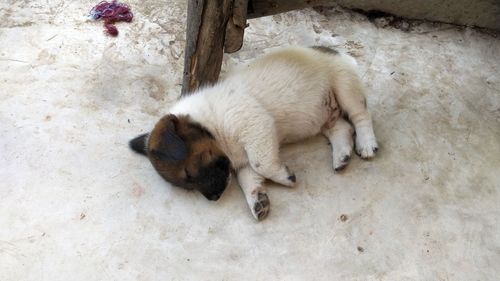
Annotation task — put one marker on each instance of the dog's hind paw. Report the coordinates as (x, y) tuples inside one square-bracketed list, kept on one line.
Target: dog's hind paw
[(340, 161), (366, 144), (367, 152)]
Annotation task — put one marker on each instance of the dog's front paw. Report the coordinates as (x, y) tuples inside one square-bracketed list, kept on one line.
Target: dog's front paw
[(285, 176), (366, 144), (261, 206)]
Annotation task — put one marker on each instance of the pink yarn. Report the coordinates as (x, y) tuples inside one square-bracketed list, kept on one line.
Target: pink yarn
[(111, 13)]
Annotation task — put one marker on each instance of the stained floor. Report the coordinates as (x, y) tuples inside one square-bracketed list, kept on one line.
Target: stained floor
[(76, 204)]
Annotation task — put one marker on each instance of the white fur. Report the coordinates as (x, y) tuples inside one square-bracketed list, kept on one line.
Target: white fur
[(285, 96), (340, 137)]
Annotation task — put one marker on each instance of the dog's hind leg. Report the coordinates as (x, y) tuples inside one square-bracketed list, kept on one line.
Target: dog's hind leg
[(349, 93), (255, 194), (340, 137)]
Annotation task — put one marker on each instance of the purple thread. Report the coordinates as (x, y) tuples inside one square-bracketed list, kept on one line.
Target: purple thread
[(111, 13)]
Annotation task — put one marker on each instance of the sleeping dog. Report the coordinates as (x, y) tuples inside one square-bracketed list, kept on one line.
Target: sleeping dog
[(237, 125)]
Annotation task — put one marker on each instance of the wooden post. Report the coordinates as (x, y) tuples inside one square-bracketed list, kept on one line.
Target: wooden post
[(236, 27), (206, 29), (215, 26)]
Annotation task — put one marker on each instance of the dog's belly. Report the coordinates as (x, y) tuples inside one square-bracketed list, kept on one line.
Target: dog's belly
[(296, 130), (303, 111), (307, 121)]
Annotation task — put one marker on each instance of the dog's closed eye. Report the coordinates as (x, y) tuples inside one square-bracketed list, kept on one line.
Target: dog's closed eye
[(188, 175)]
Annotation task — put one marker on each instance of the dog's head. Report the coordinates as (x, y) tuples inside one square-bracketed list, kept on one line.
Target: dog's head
[(185, 154)]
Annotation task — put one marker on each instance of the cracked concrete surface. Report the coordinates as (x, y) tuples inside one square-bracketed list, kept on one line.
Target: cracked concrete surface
[(76, 204)]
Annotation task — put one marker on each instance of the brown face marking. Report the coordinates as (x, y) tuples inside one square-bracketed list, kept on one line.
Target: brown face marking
[(186, 154)]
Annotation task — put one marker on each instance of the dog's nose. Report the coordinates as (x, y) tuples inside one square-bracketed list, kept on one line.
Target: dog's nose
[(214, 197)]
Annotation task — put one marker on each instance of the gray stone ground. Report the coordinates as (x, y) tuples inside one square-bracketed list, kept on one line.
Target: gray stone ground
[(76, 204)]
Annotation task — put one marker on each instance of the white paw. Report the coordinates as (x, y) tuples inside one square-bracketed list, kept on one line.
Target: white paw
[(284, 176), (260, 205), (366, 144), (341, 157)]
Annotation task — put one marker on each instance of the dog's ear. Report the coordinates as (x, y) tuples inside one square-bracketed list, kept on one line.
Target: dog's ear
[(165, 142), (139, 144)]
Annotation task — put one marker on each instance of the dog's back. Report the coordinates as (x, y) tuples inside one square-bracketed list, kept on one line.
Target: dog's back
[(296, 86)]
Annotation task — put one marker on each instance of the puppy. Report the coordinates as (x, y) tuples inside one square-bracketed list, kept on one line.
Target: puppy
[(238, 124)]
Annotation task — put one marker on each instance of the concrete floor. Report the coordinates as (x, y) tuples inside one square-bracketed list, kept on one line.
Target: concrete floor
[(76, 204)]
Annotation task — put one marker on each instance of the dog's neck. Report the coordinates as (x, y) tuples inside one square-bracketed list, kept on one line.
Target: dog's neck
[(204, 107)]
